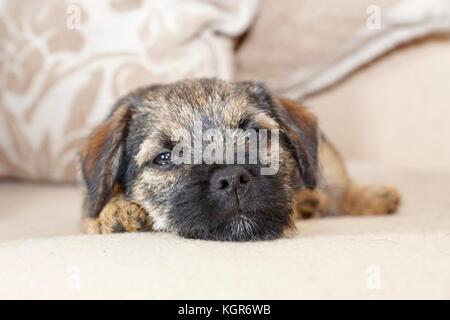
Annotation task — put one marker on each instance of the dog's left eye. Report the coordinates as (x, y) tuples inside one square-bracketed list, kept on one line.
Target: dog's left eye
[(163, 159)]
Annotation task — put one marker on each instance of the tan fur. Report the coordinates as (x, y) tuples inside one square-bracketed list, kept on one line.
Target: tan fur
[(119, 215), (335, 193), (310, 204), (370, 200), (99, 137)]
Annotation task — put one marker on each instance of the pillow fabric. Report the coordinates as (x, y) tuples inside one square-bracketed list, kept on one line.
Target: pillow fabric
[(64, 63), (341, 43), (306, 31)]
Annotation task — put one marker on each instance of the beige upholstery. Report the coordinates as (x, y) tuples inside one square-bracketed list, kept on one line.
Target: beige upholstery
[(290, 34), (406, 255), (396, 111), (391, 121), (38, 210)]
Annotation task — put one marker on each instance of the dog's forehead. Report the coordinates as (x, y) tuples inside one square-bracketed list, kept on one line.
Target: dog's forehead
[(212, 102), (180, 109)]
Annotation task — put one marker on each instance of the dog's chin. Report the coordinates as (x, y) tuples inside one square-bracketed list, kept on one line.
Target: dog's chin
[(242, 227)]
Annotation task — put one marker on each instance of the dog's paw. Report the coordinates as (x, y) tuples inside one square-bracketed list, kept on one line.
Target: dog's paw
[(374, 200), (309, 204), (119, 215)]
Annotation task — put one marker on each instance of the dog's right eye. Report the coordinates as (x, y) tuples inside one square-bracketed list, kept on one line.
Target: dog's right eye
[(163, 159)]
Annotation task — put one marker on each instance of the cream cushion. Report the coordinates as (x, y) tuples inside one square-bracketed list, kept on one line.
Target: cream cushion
[(409, 266), (396, 111), (402, 256)]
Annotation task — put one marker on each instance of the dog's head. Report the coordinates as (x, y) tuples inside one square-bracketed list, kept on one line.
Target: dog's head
[(187, 193)]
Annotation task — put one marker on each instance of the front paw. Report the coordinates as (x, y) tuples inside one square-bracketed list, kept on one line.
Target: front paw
[(309, 204), (119, 215)]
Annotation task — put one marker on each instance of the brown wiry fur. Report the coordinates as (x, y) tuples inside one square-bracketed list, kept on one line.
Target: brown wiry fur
[(331, 191), (119, 215), (336, 194)]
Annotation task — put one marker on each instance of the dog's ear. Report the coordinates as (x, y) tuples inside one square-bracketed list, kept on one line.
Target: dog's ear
[(301, 129), (298, 126), (102, 158)]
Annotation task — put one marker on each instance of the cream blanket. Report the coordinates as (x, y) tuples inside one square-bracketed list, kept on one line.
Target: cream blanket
[(407, 21)]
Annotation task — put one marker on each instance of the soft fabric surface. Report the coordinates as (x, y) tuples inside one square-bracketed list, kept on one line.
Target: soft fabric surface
[(63, 64), (289, 34), (34, 211), (39, 210), (395, 112), (403, 23), (158, 266), (406, 255), (321, 43)]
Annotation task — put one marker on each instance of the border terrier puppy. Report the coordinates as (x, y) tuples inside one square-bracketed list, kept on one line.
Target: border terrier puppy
[(135, 182)]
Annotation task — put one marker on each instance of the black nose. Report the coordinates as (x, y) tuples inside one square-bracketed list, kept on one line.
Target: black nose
[(230, 178)]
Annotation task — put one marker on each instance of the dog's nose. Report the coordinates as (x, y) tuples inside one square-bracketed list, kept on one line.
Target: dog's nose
[(230, 178)]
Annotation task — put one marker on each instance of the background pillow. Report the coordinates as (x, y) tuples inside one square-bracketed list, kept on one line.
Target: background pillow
[(64, 63), (394, 110), (290, 34), (338, 42)]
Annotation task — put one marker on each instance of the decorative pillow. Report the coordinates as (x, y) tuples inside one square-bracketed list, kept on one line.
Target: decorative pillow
[(64, 63)]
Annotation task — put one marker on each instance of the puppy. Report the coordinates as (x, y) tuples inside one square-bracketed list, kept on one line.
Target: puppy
[(134, 183)]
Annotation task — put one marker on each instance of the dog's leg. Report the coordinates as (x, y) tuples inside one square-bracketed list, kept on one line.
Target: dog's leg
[(370, 200), (119, 215), (310, 204), (355, 200), (337, 195)]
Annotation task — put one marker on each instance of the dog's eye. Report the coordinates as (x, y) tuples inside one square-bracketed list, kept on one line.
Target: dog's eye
[(163, 159), (261, 133)]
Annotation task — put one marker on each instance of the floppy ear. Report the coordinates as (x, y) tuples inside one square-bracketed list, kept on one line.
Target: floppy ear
[(301, 129), (297, 124), (101, 159)]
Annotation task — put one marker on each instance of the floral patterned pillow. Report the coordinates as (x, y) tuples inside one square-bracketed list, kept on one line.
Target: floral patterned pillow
[(64, 63)]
